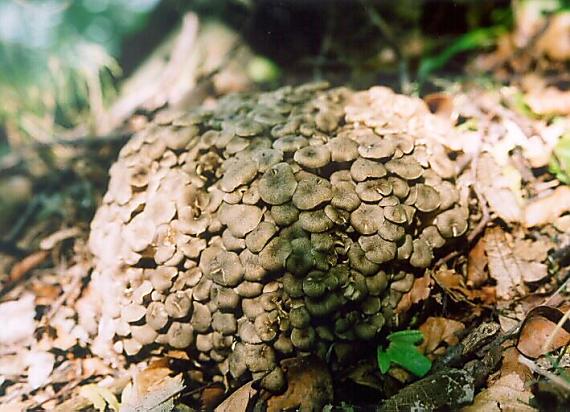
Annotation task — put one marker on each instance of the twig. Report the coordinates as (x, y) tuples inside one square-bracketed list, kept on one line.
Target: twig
[(549, 375)]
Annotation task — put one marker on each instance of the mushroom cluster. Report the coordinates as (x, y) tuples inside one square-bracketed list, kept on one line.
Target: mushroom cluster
[(273, 225)]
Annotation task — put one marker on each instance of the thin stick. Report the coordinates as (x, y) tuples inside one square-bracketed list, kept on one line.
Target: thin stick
[(549, 375)]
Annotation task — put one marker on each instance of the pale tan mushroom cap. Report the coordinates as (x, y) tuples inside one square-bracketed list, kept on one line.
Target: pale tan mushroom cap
[(274, 224)]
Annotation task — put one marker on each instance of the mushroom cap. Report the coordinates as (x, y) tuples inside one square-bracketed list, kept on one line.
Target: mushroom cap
[(240, 219), (342, 149), (362, 169), (427, 199), (407, 167), (278, 184), (180, 335), (452, 222), (313, 157), (156, 315), (178, 304), (311, 192)]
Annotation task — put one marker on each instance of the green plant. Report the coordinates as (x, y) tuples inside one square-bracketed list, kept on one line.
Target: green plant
[(560, 160), (402, 351)]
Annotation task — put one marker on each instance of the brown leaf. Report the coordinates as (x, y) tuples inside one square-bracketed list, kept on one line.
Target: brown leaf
[(152, 388), (548, 208), (509, 270), (420, 291), (536, 331), (437, 330), (211, 396), (510, 391), (27, 264), (496, 189), (476, 264), (239, 400), (309, 386), (454, 285)]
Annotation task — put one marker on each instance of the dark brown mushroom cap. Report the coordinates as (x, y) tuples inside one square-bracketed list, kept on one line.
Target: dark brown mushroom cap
[(259, 358), (277, 184), (303, 339), (367, 218), (396, 214), (267, 325), (406, 167), (422, 254), (221, 266), (132, 312), (362, 169), (300, 261), (225, 323), (452, 222), (373, 190), (345, 196), (180, 335), (377, 149), (144, 334), (284, 215), (248, 128), (313, 157), (258, 237), (377, 283), (376, 249), (156, 315), (201, 317), (342, 149), (178, 304), (432, 237), (315, 221), (360, 262), (326, 121), (275, 253), (225, 299), (290, 143), (239, 173), (405, 248), (312, 192), (427, 198), (240, 219)]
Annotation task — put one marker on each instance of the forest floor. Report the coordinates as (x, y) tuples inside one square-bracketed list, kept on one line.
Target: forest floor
[(497, 307)]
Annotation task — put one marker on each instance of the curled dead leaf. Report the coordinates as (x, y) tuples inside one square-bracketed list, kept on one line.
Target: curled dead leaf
[(420, 291), (509, 270), (454, 285), (437, 330), (540, 333), (476, 264), (548, 208)]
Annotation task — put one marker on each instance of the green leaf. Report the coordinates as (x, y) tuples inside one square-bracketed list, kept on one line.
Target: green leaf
[(403, 352), (383, 359), (475, 39), (410, 358), (406, 336), (560, 160)]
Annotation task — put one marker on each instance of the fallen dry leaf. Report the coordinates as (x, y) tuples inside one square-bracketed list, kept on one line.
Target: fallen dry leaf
[(17, 320), (476, 264), (27, 264), (419, 291), (40, 365), (548, 208), (211, 396), (508, 393), (550, 100), (497, 190), (309, 385), (239, 400), (454, 285), (153, 389), (437, 330), (536, 331), (508, 269)]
